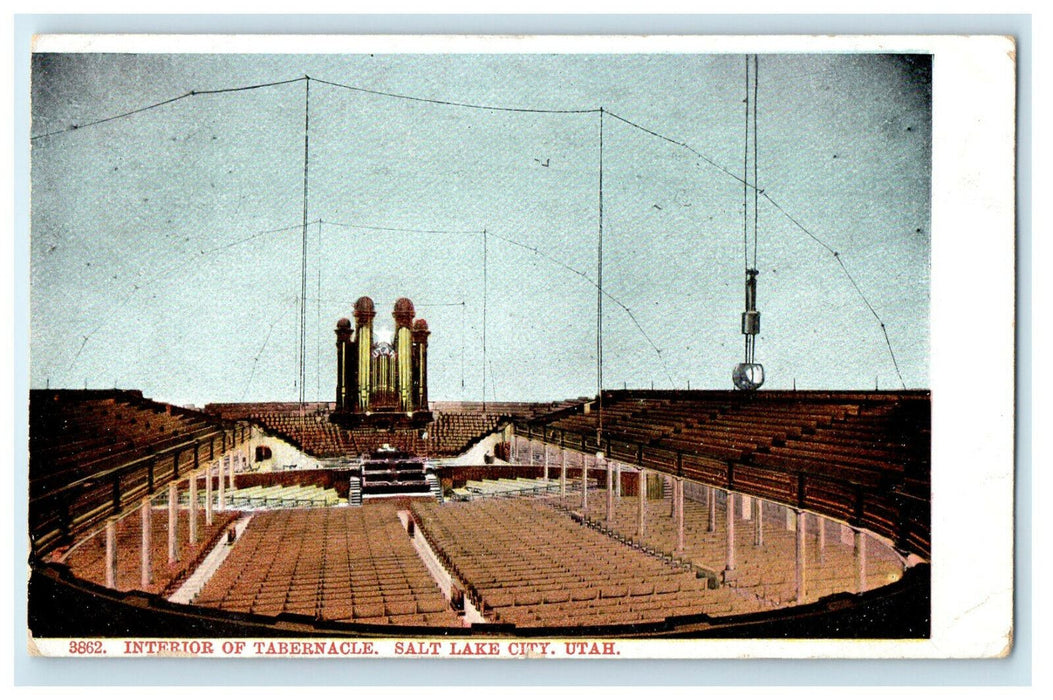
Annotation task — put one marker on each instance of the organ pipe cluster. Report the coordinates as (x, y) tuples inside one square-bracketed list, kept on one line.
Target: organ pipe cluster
[(380, 382)]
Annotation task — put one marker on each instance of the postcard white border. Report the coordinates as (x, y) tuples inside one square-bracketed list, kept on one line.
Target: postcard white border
[(972, 340)]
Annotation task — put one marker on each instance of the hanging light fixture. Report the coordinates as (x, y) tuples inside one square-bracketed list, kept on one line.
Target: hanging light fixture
[(749, 374)]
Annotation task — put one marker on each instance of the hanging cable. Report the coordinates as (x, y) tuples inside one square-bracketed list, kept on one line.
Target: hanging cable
[(450, 103), (303, 254), (401, 230), (610, 297), (263, 347), (484, 317), (749, 374), (318, 320), (762, 193), (756, 155), (176, 266), (192, 93), (599, 300), (462, 348), (745, 166)]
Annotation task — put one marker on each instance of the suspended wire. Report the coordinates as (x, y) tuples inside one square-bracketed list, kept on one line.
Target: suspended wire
[(797, 223), (450, 103), (192, 93), (485, 246), (556, 261), (250, 87), (681, 144), (401, 230), (599, 299), (745, 167), (307, 79), (462, 348), (334, 300), (756, 157), (176, 266), (289, 307), (318, 320), (303, 254), (874, 313), (533, 249), (747, 337)]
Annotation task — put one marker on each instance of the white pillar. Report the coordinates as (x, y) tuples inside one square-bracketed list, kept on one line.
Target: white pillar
[(672, 495), (729, 516), (861, 560), (641, 481), (846, 534), (747, 507), (146, 567), (584, 482), (820, 522), (192, 515), (173, 503), (678, 495), (711, 498), (799, 578), (618, 480), (601, 462), (515, 449), (544, 446), (208, 494), (233, 461), (222, 504), (758, 522), (562, 473), (111, 553)]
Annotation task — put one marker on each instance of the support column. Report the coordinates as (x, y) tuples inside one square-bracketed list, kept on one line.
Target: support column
[(233, 461), (799, 576), (222, 504), (514, 457), (672, 495), (861, 560), (846, 534), (601, 461), (678, 495), (820, 522), (563, 474), (544, 476), (111, 553), (758, 522), (145, 565), (791, 519), (711, 499), (618, 480), (208, 494), (729, 517), (192, 514), (173, 512), (584, 482), (641, 481), (747, 507)]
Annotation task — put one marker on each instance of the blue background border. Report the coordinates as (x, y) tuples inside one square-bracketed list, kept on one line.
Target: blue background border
[(1013, 670)]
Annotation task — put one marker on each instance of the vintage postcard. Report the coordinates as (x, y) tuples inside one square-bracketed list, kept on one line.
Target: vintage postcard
[(532, 347)]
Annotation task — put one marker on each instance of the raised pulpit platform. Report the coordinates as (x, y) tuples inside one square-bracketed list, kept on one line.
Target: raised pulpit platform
[(388, 472)]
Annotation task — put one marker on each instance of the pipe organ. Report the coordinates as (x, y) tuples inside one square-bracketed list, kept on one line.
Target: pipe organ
[(381, 381)]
